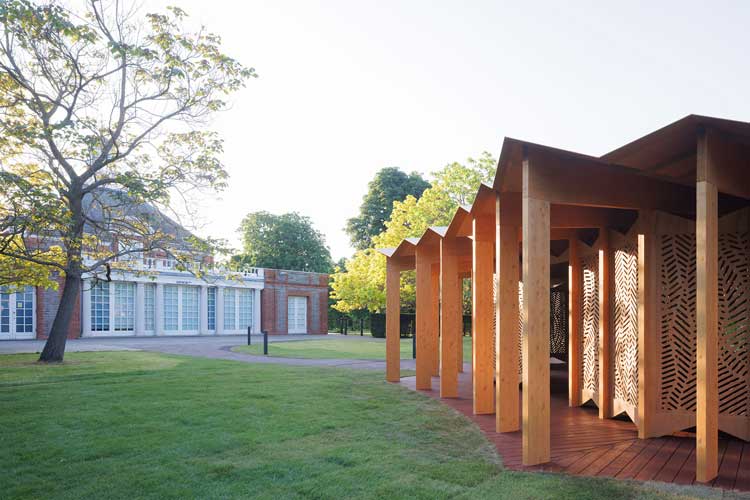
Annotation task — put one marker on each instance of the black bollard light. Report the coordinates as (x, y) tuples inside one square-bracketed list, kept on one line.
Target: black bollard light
[(265, 343), (414, 346), (249, 341)]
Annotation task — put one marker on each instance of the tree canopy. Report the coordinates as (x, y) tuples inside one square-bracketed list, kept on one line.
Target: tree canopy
[(361, 284), (389, 185), (287, 241), (103, 112)]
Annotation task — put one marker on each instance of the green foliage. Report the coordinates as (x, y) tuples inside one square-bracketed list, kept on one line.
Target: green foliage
[(389, 185), (102, 111), (287, 241), (361, 284)]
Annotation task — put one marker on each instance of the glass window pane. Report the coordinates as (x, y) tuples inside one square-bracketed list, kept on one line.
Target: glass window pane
[(149, 300), (212, 308), (230, 322), (246, 308), (100, 307), (190, 307), (124, 307), (170, 307)]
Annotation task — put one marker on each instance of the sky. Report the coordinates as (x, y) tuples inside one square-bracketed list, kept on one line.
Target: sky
[(348, 87)]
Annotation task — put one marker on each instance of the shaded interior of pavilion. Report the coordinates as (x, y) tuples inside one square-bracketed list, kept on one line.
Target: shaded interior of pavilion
[(632, 268)]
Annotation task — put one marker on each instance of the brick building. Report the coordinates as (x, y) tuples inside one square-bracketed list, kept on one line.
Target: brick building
[(171, 302)]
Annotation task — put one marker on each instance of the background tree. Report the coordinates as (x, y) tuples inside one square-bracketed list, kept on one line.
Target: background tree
[(389, 185), (99, 116), (287, 241), (361, 285)]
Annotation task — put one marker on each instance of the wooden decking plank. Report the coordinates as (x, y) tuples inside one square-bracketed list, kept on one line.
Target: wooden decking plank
[(658, 461), (742, 482), (729, 465), (673, 466), (582, 444)]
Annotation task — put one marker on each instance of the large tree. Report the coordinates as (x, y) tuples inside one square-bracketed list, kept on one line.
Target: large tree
[(361, 283), (102, 113), (287, 241), (389, 185)]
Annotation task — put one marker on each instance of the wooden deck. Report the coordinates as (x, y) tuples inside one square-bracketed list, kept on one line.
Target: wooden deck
[(582, 444)]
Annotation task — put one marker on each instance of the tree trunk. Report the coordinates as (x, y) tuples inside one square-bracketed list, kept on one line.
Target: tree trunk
[(54, 348)]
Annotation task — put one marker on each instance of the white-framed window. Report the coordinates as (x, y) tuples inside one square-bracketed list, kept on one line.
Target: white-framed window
[(211, 317), (230, 321), (124, 306), (246, 308), (100, 307), (190, 308), (149, 304), (171, 307)]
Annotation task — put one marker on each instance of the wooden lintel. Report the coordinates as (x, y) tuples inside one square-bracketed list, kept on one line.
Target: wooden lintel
[(729, 163), (576, 181)]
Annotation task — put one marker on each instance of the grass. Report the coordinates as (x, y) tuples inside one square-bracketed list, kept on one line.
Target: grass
[(338, 348), (147, 425)]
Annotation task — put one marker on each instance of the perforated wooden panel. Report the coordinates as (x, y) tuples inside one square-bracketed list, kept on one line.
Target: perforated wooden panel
[(520, 328), (590, 322), (677, 340), (734, 328), (558, 321), (625, 324)]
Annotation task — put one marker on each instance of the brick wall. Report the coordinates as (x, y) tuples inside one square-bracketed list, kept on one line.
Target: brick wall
[(281, 284), (47, 302)]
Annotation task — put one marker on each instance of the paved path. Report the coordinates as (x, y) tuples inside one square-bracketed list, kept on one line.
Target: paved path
[(208, 347)]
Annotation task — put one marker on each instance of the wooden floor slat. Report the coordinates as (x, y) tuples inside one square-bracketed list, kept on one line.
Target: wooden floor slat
[(582, 444)]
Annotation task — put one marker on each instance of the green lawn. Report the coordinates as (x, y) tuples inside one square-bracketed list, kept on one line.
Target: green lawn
[(145, 425), (337, 348)]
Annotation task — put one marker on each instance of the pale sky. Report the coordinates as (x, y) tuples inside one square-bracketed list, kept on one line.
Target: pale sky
[(349, 87)]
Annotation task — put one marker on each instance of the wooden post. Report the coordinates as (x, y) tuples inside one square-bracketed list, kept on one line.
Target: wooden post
[(536, 285), (574, 323), (450, 318), (506, 346), (648, 325), (392, 322), (482, 313), (460, 358), (424, 319), (706, 314), (605, 328), (707, 416), (435, 315)]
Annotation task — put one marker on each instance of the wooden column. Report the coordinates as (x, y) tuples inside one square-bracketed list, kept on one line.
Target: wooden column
[(648, 325), (460, 359), (392, 322), (424, 319), (706, 314), (574, 323), (435, 315), (605, 328), (506, 347), (536, 285), (483, 370), (707, 415), (450, 318)]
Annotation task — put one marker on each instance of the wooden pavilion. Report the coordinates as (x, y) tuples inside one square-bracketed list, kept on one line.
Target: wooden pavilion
[(656, 240)]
